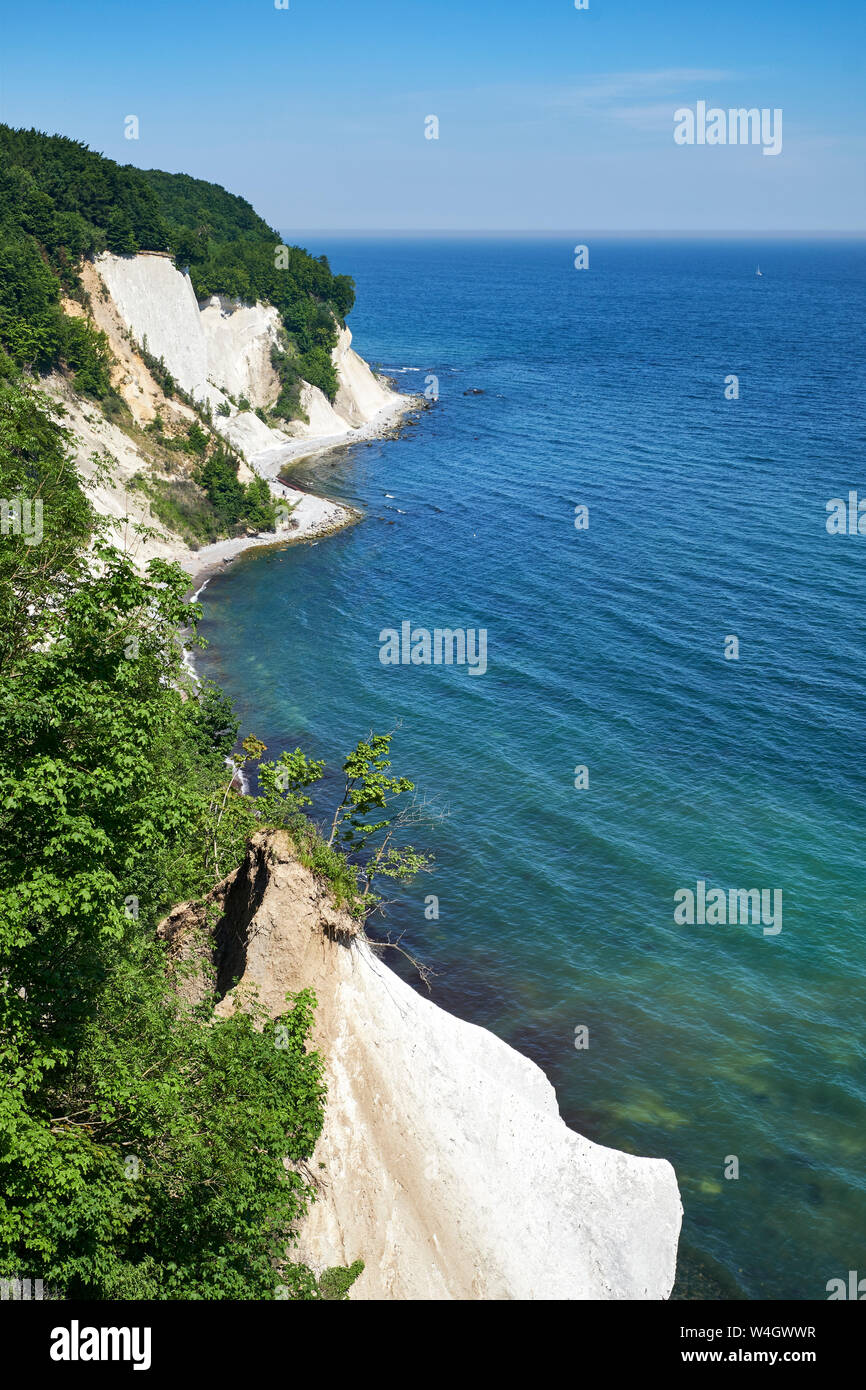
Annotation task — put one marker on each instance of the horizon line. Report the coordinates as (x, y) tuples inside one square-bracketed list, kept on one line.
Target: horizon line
[(851, 235)]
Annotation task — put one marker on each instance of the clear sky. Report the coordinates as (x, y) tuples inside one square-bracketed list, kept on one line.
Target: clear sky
[(550, 118)]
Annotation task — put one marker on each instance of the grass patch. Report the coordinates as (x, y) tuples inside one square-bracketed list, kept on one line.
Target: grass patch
[(184, 507)]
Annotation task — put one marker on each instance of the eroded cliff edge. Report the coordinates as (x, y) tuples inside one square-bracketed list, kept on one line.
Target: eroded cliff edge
[(218, 351), (447, 1167)]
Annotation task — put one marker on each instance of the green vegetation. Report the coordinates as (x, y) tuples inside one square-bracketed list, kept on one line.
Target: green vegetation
[(235, 503), (142, 1139), (60, 201), (336, 1282), (212, 503), (180, 505), (359, 851), (34, 330), (141, 1152)]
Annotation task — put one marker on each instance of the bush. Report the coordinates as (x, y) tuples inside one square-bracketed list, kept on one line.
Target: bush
[(335, 1283), (196, 440)]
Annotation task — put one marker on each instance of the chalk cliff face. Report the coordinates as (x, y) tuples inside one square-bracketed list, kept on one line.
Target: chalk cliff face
[(448, 1169), (215, 350), (239, 338), (219, 349), (159, 307), (222, 348)]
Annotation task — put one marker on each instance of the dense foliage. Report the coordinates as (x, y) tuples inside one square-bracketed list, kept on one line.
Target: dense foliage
[(141, 1151), (148, 1148), (34, 330), (235, 502), (60, 201)]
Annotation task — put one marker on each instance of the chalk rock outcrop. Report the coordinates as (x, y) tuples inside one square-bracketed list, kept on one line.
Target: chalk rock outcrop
[(361, 394), (447, 1167), (239, 339), (222, 348), (159, 308)]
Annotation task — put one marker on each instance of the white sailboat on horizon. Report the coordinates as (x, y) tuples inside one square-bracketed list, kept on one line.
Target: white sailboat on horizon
[(759, 271)]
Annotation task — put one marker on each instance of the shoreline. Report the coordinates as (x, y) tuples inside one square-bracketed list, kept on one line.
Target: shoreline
[(313, 517), (326, 518), (433, 1232), (269, 463)]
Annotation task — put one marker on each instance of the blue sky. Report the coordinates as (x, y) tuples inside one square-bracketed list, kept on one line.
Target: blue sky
[(550, 118)]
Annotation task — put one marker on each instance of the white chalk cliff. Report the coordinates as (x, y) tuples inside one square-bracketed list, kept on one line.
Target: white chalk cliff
[(214, 350), (222, 349), (447, 1166)]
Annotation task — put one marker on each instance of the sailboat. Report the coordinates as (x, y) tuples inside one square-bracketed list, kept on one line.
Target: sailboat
[(759, 271)]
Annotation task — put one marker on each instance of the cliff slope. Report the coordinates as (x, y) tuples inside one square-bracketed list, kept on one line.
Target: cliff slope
[(447, 1166), (219, 352)]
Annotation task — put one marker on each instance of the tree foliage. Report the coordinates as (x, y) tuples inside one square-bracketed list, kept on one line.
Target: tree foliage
[(142, 1150), (235, 502), (149, 1148), (60, 201), (365, 840)]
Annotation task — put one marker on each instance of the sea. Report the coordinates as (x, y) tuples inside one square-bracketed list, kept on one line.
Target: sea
[(623, 475)]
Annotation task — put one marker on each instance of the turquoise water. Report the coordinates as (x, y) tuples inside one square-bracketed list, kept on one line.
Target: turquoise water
[(606, 649)]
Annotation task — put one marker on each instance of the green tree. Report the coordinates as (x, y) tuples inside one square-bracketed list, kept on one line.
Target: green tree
[(142, 1141), (119, 233), (358, 850), (196, 440), (37, 582)]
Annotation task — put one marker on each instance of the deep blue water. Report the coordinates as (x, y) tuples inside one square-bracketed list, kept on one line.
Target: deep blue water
[(707, 518)]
